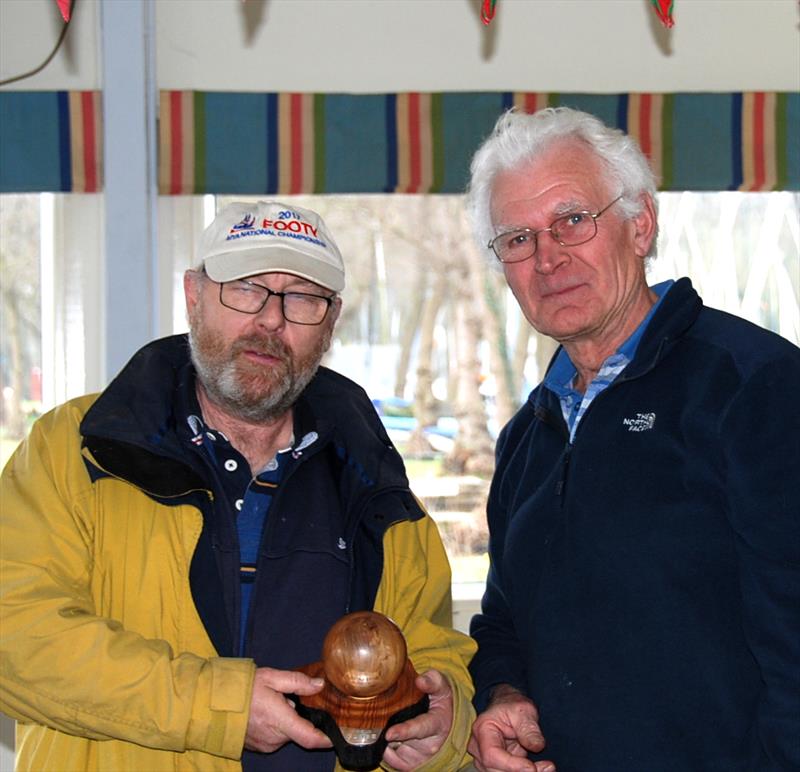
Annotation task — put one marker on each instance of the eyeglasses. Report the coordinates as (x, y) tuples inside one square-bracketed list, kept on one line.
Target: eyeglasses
[(569, 230), (297, 307)]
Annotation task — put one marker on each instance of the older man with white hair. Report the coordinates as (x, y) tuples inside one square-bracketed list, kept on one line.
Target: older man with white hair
[(642, 611)]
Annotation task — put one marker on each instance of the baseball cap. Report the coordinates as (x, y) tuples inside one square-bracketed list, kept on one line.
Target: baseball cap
[(246, 239)]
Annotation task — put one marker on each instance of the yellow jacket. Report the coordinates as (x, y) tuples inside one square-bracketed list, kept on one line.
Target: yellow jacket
[(98, 680)]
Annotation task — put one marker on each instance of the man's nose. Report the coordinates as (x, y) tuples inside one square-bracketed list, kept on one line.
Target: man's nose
[(271, 317), (550, 255)]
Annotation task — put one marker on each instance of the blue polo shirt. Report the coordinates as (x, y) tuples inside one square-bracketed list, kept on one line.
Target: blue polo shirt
[(250, 496), (561, 376)]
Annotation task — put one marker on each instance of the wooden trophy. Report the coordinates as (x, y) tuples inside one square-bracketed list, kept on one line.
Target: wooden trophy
[(369, 686)]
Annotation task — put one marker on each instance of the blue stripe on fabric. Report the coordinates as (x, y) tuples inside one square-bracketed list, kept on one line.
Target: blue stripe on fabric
[(467, 119), (622, 112), (737, 171), (29, 142), (391, 142), (236, 156), (355, 143), (64, 142), (240, 150), (702, 142), (271, 143), (792, 145), (609, 108)]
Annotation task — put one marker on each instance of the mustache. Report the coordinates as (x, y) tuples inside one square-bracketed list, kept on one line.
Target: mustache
[(261, 344)]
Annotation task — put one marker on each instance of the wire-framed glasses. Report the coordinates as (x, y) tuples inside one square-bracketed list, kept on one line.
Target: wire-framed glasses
[(569, 230), (297, 307)]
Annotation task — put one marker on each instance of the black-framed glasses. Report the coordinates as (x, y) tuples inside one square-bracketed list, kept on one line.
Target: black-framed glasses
[(297, 307), (569, 230)]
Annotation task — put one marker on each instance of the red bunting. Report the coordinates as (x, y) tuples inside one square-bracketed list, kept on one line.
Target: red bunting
[(487, 11), (664, 11), (65, 6)]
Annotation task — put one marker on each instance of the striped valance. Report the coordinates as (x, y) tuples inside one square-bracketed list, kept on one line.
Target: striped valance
[(246, 143)]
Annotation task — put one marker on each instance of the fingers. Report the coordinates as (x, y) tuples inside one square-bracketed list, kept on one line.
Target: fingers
[(413, 742), (428, 725), (273, 721), (289, 681), (509, 763), (434, 725), (500, 758), (504, 733), (519, 765)]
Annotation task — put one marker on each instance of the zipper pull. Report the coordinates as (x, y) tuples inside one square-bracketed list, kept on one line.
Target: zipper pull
[(561, 485)]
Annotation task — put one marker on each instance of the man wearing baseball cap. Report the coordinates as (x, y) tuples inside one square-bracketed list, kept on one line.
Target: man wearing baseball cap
[(176, 548)]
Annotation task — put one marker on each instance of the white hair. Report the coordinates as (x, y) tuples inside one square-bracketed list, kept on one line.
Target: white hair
[(518, 138)]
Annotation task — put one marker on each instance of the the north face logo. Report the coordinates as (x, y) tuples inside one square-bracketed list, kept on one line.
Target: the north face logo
[(641, 423)]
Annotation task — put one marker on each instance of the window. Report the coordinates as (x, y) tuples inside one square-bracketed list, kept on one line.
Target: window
[(50, 305), (427, 328), (438, 341)]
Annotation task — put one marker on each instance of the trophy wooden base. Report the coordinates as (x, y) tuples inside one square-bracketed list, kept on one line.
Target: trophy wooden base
[(357, 725)]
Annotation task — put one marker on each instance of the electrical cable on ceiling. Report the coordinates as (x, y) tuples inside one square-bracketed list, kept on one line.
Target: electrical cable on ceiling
[(52, 53)]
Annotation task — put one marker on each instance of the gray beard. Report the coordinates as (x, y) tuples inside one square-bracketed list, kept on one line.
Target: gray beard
[(224, 386)]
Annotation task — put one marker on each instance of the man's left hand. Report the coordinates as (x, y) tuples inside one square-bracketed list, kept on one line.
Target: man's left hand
[(413, 742)]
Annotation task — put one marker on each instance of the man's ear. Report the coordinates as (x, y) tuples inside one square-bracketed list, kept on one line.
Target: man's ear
[(330, 321), (646, 226), (191, 289), (336, 309)]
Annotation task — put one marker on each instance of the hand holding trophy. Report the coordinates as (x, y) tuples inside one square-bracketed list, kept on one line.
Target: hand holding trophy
[(369, 686)]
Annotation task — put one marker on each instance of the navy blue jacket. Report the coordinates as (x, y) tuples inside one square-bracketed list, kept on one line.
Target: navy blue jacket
[(644, 587), (322, 549)]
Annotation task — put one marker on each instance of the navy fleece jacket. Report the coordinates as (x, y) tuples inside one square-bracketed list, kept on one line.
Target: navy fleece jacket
[(644, 587)]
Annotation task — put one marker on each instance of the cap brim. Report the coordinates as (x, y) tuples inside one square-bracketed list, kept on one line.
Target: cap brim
[(240, 264)]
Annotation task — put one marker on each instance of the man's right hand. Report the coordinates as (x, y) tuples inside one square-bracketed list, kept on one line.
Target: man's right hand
[(504, 733), (273, 721)]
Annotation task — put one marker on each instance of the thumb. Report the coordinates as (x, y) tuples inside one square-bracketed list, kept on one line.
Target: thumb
[(432, 682), (530, 736)]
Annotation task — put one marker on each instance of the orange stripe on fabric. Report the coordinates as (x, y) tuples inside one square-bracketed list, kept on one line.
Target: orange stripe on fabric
[(425, 144), (644, 125), (89, 141), (163, 142), (634, 116), (529, 102), (414, 155), (770, 142), (403, 163), (76, 143), (643, 110), (284, 143), (656, 135), (99, 139), (748, 165), (187, 142)]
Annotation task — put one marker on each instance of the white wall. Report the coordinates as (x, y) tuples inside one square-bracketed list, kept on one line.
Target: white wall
[(363, 46)]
